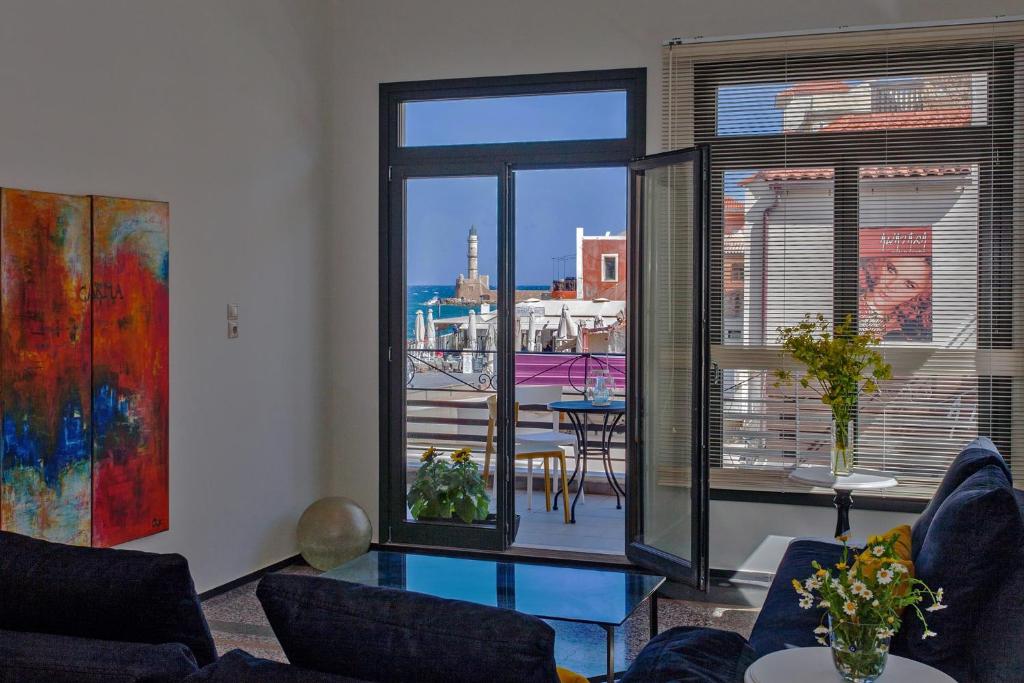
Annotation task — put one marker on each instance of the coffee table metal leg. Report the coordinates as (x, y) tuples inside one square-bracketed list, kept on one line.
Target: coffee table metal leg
[(654, 615), (610, 631), (843, 502)]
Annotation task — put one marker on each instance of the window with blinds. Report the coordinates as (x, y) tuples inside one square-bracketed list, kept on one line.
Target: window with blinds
[(877, 176)]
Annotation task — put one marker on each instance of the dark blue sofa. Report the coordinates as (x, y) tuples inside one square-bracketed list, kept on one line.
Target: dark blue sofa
[(970, 542)]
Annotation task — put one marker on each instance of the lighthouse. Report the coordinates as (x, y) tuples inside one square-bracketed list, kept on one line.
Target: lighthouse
[(471, 253), (474, 287)]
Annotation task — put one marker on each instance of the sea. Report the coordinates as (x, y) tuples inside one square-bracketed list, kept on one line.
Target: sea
[(419, 295)]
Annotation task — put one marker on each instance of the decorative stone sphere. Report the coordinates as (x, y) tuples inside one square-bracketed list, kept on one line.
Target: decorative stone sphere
[(333, 531)]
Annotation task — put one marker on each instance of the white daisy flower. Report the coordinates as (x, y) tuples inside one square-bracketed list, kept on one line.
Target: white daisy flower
[(899, 568), (858, 587), (850, 608), (824, 604), (866, 594), (812, 583), (806, 602), (936, 607), (878, 550), (882, 648), (938, 595), (884, 576), (928, 634), (875, 603), (822, 641), (886, 633)]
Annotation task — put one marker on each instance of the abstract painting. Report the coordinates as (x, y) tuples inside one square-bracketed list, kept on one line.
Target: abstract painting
[(129, 369), (45, 339)]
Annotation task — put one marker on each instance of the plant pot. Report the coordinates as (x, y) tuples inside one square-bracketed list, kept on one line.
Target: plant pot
[(842, 448), (858, 652)]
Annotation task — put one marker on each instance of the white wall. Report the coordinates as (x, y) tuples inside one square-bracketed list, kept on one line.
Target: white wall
[(219, 108), (391, 40)]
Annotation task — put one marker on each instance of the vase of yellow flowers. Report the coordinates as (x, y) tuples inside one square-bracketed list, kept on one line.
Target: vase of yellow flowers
[(448, 489), (840, 365), (864, 598)]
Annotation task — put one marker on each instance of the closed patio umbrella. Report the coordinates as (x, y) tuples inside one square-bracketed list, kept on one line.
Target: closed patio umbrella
[(419, 330), (531, 332), (566, 326), (491, 347), (471, 331), (431, 332)]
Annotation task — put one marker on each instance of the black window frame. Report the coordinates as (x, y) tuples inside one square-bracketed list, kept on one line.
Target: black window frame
[(397, 161), (845, 153)]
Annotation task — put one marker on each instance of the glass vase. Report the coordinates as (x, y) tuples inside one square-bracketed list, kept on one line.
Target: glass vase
[(858, 652), (842, 447)]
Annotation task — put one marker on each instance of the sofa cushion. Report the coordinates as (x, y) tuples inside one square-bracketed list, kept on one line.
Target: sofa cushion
[(688, 654), (965, 554), (100, 593), (47, 658), (782, 623), (238, 666), (977, 454), (387, 635)]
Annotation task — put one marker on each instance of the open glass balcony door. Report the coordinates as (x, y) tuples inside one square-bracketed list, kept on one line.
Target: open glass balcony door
[(667, 514)]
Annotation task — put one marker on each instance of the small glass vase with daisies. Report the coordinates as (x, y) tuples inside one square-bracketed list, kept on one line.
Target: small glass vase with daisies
[(865, 597)]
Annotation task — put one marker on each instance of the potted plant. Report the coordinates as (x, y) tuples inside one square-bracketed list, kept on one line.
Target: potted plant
[(864, 600), (448, 489), (841, 363)]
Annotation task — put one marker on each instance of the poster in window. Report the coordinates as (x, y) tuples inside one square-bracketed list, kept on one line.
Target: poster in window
[(896, 283)]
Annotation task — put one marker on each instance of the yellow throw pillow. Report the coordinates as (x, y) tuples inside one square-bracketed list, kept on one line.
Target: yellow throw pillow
[(567, 676)]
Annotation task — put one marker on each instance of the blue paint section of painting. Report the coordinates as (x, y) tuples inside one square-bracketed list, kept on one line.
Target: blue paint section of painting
[(24, 445)]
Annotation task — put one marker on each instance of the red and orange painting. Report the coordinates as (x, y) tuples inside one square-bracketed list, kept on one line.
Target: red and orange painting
[(130, 300), (896, 282), (45, 339)]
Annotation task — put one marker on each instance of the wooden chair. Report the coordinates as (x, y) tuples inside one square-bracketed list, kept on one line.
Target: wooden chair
[(529, 452)]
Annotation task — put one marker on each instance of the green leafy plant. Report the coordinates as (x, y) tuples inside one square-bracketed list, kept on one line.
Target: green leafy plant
[(447, 489), (841, 363)]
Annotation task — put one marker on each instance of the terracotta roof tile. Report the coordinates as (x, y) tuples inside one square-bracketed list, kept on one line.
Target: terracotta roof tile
[(928, 118), (783, 174)]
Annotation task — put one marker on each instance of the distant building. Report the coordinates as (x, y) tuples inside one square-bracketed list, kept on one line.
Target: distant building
[(474, 287), (600, 266)]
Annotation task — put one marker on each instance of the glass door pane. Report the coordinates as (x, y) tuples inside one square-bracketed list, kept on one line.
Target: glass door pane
[(668, 514), (443, 472), (571, 316)]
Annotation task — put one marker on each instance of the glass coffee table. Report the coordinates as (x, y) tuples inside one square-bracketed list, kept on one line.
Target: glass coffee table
[(603, 597)]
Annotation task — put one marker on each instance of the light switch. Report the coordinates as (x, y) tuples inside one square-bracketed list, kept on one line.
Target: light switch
[(232, 311)]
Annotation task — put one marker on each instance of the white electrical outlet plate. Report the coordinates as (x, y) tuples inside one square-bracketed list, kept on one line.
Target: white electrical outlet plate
[(232, 311), (232, 329)]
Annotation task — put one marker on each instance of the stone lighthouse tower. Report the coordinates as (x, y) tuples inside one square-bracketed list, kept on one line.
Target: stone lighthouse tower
[(471, 253), (474, 287)]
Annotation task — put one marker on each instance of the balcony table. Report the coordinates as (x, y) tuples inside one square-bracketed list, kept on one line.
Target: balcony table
[(579, 412)]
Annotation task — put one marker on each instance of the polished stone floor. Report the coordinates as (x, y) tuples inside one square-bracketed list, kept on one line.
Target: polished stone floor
[(237, 621)]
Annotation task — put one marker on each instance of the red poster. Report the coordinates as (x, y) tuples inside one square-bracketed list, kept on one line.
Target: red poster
[(896, 282)]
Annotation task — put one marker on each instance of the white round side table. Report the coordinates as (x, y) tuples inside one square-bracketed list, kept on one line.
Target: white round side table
[(814, 665), (819, 475)]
